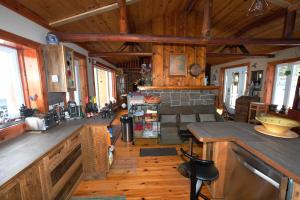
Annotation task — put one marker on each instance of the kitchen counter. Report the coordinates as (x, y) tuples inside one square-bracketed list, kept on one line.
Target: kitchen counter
[(282, 154), (21, 152)]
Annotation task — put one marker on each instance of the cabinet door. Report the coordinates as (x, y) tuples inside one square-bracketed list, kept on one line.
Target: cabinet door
[(31, 186), (54, 62), (11, 192)]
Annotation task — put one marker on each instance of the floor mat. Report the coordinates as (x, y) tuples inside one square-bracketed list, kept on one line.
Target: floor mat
[(98, 198), (158, 152)]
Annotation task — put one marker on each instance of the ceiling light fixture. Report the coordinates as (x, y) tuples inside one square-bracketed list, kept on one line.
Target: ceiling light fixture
[(258, 7)]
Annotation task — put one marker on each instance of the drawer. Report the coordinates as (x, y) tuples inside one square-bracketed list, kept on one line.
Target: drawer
[(74, 141), (55, 156)]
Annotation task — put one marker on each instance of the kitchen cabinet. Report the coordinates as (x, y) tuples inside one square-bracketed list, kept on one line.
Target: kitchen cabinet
[(95, 152), (25, 187), (62, 168), (59, 67)]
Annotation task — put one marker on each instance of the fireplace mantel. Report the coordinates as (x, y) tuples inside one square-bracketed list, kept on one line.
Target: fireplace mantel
[(143, 88)]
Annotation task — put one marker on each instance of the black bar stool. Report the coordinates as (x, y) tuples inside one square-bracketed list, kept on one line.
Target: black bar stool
[(197, 171)]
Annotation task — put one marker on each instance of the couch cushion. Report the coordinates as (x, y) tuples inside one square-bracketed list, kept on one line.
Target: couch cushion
[(187, 118), (207, 117), (168, 118)]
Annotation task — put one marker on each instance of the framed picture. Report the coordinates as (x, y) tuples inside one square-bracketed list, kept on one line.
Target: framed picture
[(178, 65)]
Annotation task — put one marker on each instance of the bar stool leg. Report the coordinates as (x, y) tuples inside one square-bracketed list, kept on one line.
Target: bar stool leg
[(191, 145)]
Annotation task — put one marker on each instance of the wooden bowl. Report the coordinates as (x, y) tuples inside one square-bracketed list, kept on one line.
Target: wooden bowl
[(277, 124)]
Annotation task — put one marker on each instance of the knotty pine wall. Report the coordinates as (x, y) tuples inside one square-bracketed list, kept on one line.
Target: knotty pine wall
[(177, 24)]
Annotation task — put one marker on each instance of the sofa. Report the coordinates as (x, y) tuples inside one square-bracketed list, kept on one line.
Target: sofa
[(174, 120)]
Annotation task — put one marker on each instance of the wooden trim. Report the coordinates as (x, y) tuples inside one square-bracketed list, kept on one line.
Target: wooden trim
[(18, 39), (12, 131), (23, 77), (270, 76), (103, 66), (221, 79), (142, 88)]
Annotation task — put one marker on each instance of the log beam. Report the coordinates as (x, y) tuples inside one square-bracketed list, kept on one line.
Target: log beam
[(209, 54), (289, 24), (207, 15), (119, 53), (226, 55), (123, 16), (96, 37)]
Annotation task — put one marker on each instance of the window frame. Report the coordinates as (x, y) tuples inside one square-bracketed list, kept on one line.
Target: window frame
[(270, 77), (24, 83)]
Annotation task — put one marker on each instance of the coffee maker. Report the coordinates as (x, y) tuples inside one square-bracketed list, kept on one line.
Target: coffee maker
[(74, 111)]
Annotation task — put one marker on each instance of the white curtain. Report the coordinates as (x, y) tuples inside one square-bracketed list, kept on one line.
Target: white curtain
[(11, 91)]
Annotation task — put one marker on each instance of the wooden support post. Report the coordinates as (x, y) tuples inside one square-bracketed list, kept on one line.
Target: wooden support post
[(123, 16), (207, 15), (289, 24)]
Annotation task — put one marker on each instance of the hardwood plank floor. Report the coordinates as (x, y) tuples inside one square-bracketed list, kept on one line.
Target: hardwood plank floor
[(141, 178)]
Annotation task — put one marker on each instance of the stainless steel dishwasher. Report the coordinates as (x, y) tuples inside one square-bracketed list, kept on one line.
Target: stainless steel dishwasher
[(252, 179)]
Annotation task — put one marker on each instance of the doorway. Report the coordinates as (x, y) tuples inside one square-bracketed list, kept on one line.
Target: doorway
[(235, 83)]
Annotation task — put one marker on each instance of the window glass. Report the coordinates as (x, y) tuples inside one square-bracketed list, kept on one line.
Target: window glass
[(11, 90), (286, 76)]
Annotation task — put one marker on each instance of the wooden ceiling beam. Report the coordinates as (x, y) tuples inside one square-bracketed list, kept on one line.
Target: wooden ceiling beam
[(96, 37), (226, 55), (119, 53), (207, 15), (190, 5), (286, 4), (289, 24), (209, 54), (123, 16), (89, 13)]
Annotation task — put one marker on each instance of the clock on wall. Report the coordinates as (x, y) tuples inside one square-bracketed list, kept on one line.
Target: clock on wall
[(195, 70)]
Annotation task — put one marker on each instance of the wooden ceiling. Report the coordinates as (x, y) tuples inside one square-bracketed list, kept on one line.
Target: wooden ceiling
[(229, 19)]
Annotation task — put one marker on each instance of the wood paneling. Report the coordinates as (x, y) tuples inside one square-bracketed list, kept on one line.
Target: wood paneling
[(176, 25)]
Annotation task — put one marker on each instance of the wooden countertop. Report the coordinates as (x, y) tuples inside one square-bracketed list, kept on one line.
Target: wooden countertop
[(282, 154), (21, 152)]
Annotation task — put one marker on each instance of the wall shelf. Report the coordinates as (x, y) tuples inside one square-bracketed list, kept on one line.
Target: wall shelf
[(143, 88)]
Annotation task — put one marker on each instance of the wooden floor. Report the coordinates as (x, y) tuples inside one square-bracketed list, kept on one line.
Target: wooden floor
[(140, 178)]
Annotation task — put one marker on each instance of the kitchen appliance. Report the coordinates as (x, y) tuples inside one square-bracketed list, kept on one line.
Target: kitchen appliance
[(252, 179), (74, 110), (41, 122)]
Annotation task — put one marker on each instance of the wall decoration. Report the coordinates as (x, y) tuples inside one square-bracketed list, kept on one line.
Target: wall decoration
[(178, 65)]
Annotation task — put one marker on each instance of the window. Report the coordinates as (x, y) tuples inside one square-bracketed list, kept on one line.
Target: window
[(11, 90), (285, 81), (103, 86)]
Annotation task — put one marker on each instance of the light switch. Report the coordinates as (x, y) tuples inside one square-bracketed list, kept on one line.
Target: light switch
[(54, 78)]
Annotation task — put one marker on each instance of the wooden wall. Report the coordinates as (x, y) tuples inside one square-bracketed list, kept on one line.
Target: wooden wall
[(177, 24)]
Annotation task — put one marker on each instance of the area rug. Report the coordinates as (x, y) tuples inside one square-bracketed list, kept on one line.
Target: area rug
[(158, 152), (98, 198)]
